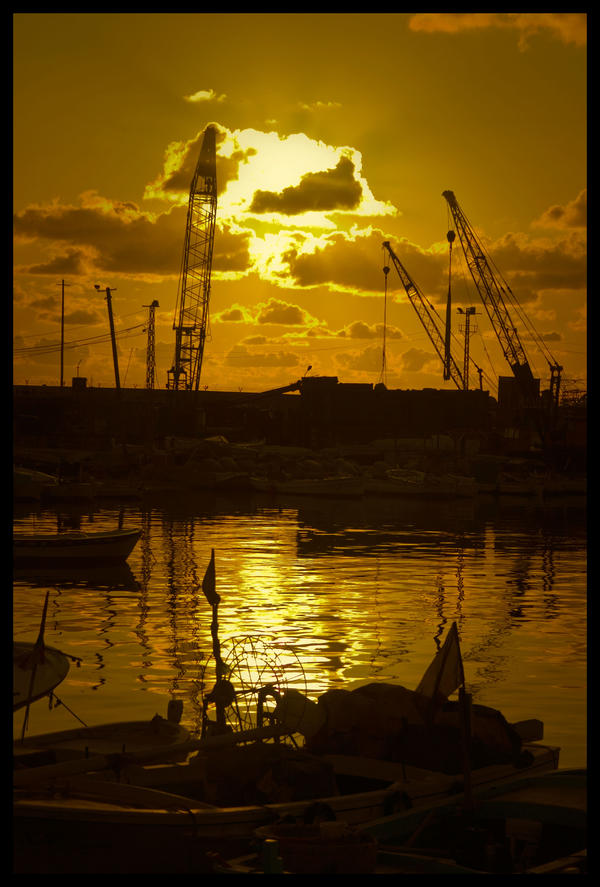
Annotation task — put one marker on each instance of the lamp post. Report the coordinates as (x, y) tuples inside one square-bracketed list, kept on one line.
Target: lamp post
[(112, 333)]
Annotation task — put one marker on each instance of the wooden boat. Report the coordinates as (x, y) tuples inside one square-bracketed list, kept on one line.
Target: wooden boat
[(534, 825), (128, 811), (165, 737), (36, 672), (103, 545)]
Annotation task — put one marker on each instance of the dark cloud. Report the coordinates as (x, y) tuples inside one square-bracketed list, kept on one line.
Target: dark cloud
[(71, 263), (241, 356), (181, 178), (332, 189), (123, 239), (570, 215)]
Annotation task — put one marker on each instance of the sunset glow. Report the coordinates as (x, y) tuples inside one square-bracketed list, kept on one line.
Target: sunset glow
[(335, 133)]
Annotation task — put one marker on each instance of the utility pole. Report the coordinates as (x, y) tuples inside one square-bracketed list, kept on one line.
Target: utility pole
[(62, 333), (150, 361), (112, 333)]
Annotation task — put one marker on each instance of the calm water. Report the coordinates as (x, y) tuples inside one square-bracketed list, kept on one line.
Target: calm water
[(325, 594)]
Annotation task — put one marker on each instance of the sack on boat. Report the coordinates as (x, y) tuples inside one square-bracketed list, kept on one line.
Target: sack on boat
[(387, 722)]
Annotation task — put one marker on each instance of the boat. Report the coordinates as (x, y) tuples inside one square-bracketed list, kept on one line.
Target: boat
[(407, 482), (157, 736), (29, 484), (534, 825), (37, 670), (143, 813), (342, 486), (76, 545), (123, 824)]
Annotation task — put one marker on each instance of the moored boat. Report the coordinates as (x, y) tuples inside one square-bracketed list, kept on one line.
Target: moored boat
[(37, 670), (342, 486), (104, 545), (29, 484), (534, 825)]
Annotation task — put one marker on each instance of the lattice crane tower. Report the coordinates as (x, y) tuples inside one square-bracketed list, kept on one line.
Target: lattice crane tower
[(191, 313), (150, 356)]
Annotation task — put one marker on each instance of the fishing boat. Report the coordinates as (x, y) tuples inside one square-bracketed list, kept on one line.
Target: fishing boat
[(535, 825), (76, 545), (36, 672), (143, 813)]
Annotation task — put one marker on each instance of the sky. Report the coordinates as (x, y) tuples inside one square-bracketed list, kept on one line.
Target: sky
[(335, 133)]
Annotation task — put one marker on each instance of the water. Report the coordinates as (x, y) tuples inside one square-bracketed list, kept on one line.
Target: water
[(326, 594)]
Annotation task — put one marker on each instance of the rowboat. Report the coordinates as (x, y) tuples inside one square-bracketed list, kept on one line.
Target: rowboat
[(36, 672), (103, 545)]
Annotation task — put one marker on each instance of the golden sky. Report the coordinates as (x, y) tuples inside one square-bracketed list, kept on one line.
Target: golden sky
[(336, 132)]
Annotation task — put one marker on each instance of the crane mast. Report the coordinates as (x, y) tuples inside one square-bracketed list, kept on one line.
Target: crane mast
[(491, 293), (437, 338), (191, 313)]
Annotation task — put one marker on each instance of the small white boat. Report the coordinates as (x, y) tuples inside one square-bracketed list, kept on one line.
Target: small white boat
[(103, 545), (37, 670), (403, 482)]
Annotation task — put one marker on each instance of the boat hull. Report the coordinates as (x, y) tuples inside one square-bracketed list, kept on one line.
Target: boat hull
[(33, 680), (112, 545), (136, 829)]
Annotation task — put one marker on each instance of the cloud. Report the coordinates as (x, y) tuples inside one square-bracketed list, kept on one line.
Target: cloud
[(414, 360), (121, 238), (279, 312), (179, 164), (239, 355), (570, 215), (332, 189), (567, 27), (354, 261), (319, 106), (361, 330), (204, 95)]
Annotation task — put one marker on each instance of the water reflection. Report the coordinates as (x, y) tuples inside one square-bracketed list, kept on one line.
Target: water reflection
[(356, 591)]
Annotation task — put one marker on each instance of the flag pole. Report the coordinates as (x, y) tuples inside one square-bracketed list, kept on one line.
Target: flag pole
[(210, 591), (38, 656), (465, 701)]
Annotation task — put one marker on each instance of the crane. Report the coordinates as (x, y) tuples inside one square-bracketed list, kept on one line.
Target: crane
[(493, 292), (191, 313), (419, 303)]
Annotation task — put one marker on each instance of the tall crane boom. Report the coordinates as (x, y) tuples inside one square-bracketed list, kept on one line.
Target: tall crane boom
[(419, 303), (191, 313), (492, 296)]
